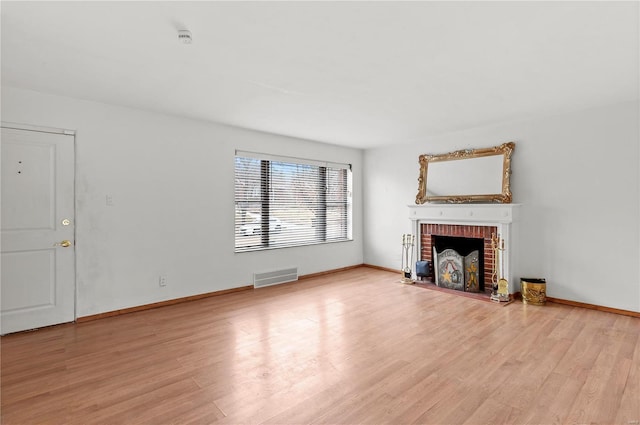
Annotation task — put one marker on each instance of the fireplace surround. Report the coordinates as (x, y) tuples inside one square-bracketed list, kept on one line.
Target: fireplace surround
[(472, 221)]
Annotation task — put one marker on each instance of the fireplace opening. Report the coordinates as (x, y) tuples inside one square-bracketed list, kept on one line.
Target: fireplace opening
[(459, 262), (430, 232)]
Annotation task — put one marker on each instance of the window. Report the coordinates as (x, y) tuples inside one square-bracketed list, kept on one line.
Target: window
[(283, 202)]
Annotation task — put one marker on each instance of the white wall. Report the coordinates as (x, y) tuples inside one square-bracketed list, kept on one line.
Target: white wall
[(577, 178), (172, 181)]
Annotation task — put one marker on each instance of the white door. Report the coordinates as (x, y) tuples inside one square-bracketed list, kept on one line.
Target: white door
[(38, 254)]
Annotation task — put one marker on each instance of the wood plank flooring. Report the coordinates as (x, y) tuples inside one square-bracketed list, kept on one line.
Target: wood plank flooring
[(351, 347)]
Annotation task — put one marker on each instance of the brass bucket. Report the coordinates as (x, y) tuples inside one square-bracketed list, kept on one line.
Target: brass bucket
[(534, 291)]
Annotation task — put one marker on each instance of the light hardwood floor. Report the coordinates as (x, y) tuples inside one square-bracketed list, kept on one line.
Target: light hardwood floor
[(351, 347)]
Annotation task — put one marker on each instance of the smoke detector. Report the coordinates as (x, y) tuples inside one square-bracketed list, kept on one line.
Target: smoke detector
[(184, 36)]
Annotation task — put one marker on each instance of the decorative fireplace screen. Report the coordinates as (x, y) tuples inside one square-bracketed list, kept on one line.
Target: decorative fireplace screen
[(455, 271)]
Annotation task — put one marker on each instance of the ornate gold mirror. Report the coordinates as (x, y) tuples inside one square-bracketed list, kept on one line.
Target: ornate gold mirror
[(467, 175)]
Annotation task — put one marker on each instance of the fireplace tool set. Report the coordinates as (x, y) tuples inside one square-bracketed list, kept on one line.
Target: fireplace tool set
[(407, 257), (500, 285)]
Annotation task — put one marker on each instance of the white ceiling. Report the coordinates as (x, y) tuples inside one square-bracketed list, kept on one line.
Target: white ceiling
[(359, 74)]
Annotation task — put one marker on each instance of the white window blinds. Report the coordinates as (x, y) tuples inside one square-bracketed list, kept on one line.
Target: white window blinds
[(283, 202)]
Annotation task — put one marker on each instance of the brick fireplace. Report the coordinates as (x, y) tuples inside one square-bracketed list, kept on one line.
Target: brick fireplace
[(429, 231), (469, 221)]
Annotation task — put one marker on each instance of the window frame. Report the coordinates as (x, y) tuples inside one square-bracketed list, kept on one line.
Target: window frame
[(323, 169)]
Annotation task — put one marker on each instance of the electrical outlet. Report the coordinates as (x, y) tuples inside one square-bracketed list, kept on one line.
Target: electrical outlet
[(109, 200), (162, 280)]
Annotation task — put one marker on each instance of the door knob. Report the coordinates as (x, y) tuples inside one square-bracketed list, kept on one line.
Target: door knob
[(65, 243)]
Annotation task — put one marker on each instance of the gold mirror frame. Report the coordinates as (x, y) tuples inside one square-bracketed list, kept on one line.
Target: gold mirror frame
[(505, 149)]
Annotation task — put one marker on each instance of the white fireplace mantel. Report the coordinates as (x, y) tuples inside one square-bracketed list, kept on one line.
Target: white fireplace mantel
[(503, 216)]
